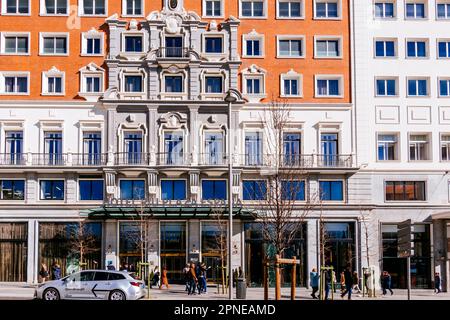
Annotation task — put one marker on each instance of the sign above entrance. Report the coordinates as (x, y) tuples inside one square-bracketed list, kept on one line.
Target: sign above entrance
[(154, 202)]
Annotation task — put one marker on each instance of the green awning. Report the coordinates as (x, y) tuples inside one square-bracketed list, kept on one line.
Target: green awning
[(159, 212)]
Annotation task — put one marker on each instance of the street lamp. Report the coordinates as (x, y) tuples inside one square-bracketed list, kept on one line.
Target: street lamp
[(229, 98)]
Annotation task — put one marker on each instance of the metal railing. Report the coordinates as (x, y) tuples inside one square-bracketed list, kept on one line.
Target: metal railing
[(89, 159), (49, 159), (173, 52), (213, 159), (131, 158), (334, 160), (12, 159), (172, 158)]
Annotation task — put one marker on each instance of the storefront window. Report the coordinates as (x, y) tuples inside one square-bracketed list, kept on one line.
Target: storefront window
[(420, 261), (13, 252), (257, 250), (61, 242), (214, 249), (339, 245), (173, 249), (131, 238)]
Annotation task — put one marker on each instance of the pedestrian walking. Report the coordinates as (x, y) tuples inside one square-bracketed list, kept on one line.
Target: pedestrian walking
[(327, 280), (356, 282), (164, 279), (203, 286), (348, 281), (437, 282), (155, 278), (314, 282), (342, 282), (386, 282), (186, 276), (192, 279), (56, 271), (43, 272)]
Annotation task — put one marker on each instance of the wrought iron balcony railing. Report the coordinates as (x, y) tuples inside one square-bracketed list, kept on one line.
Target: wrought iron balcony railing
[(173, 52)]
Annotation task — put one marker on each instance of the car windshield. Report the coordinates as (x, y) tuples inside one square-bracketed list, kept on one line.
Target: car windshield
[(134, 276)]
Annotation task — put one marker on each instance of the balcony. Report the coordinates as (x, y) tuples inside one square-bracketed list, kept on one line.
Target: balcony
[(213, 159), (172, 159), (173, 53), (295, 161), (53, 159), (131, 158)]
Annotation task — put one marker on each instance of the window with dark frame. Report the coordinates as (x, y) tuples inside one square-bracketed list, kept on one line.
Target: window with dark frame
[(405, 191)]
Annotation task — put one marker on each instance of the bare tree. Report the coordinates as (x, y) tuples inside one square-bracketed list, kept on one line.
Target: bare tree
[(82, 242), (221, 241), (370, 239), (283, 200)]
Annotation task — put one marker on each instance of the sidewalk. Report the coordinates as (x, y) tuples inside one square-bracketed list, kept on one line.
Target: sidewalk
[(24, 291)]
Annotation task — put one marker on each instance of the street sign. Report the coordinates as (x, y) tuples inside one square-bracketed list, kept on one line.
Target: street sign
[(404, 239)]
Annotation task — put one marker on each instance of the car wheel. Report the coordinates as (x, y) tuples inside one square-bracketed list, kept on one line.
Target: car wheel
[(117, 295), (51, 294)]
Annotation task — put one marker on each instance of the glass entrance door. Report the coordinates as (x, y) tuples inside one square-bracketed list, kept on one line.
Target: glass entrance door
[(340, 245), (173, 250)]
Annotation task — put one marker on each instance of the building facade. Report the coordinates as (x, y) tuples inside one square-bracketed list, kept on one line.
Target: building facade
[(108, 104), (401, 57)]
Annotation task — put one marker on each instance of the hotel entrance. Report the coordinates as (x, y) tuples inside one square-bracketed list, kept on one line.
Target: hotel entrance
[(173, 249)]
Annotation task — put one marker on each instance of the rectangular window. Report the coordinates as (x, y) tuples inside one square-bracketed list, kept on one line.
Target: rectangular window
[(213, 8), (444, 49), (253, 148), (174, 83), (386, 87), (326, 9), (254, 86), (417, 87), (174, 147), (52, 189), (92, 148), (12, 189), (133, 83), (416, 49), (253, 47), (16, 84), (331, 190), (292, 149), (133, 7), (384, 49), (328, 87), (53, 148), (404, 190), (91, 189), (327, 48), (213, 84), (213, 45), (444, 88), (93, 84), (16, 45), (445, 147), (54, 85), (16, 6), (93, 46), (387, 147), (252, 8), (291, 87), (418, 147), (293, 190), (56, 7), (54, 45), (384, 10), (415, 10), (94, 7), (132, 189), (443, 10), (290, 48), (133, 43), (254, 189), (289, 8), (173, 189), (214, 190), (14, 147)]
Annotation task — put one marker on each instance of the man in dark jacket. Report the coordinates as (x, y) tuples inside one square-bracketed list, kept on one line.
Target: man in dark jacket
[(437, 282), (348, 283)]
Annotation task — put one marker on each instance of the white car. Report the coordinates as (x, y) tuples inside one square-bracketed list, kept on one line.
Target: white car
[(93, 284)]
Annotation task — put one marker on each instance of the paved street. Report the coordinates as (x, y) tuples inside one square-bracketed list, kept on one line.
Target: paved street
[(176, 292)]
